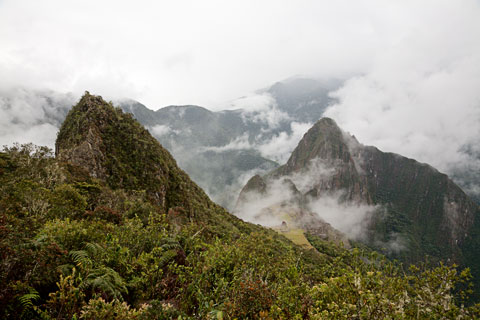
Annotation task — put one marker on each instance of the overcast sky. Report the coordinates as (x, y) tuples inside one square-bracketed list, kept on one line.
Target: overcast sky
[(207, 52)]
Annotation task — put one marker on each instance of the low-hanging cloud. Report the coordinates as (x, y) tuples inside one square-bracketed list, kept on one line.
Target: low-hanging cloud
[(351, 218), (279, 134), (161, 130), (239, 143), (32, 116), (421, 97), (280, 146), (260, 108), (277, 148)]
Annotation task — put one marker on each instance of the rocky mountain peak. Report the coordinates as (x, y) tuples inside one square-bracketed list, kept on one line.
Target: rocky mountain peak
[(80, 140), (418, 211), (115, 148), (325, 147), (324, 140)]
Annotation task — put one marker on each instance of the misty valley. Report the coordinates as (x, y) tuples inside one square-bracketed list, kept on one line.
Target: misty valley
[(112, 221)]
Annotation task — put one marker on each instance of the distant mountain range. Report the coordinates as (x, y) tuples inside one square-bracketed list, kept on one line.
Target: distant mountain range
[(219, 150)]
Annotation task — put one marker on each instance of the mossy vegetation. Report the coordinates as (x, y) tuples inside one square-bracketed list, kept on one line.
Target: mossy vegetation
[(74, 246)]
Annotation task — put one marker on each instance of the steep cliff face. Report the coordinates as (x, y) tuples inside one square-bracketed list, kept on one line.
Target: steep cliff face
[(415, 204), (423, 203)]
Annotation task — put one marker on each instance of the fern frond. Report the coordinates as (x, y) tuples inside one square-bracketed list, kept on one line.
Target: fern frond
[(170, 243), (27, 301), (94, 249), (81, 258), (108, 281), (166, 257)]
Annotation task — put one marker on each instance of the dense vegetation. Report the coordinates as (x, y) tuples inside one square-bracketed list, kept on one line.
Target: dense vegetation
[(77, 247)]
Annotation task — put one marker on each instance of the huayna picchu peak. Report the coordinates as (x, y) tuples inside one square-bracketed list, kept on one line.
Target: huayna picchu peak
[(411, 209), (111, 228)]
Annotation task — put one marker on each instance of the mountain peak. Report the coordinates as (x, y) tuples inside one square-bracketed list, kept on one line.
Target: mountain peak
[(326, 148), (79, 139), (325, 140), (115, 148), (326, 127), (89, 102)]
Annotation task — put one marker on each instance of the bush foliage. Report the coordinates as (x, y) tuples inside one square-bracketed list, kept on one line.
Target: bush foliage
[(73, 248)]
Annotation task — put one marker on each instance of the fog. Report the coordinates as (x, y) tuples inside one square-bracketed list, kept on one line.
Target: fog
[(291, 191), (27, 116)]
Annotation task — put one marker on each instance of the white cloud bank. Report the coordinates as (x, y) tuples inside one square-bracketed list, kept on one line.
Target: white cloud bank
[(351, 218), (205, 52), (421, 96), (31, 116)]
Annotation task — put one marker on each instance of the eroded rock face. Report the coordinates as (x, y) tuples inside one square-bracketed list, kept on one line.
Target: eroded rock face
[(87, 154)]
